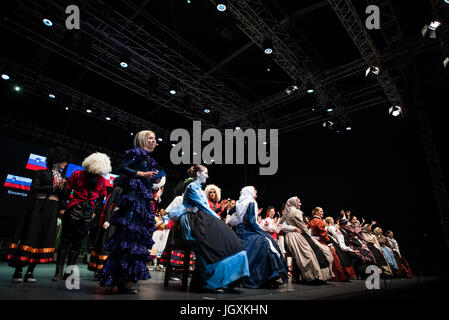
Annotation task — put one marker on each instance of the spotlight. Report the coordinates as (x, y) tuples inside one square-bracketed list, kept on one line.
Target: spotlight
[(446, 61), (123, 64), (159, 139), (132, 133), (67, 108), (172, 88), (88, 111), (189, 2), (429, 29), (51, 96), (372, 70), (173, 145), (17, 88), (291, 89), (264, 143), (206, 110), (47, 22), (267, 46), (5, 76), (107, 118), (395, 111), (237, 128), (329, 109), (348, 128), (222, 5), (328, 124)]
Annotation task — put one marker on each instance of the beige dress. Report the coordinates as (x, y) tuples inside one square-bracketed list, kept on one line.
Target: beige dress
[(303, 253)]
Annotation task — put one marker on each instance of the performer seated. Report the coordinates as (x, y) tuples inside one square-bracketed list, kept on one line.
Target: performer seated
[(318, 229), (271, 224), (403, 263), (312, 260), (221, 260), (266, 263)]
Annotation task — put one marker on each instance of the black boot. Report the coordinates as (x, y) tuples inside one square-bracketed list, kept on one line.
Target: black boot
[(62, 254), (127, 288)]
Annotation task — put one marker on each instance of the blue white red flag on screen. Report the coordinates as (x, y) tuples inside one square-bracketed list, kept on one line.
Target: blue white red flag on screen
[(36, 162), (17, 182)]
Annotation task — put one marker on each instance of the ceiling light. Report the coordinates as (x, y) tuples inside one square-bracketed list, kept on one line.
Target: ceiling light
[(395, 111), (47, 22)]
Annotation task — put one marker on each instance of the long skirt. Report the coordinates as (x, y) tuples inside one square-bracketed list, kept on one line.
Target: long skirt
[(129, 246), (35, 236), (221, 259), (388, 253), (99, 254), (266, 261), (380, 259), (313, 259)]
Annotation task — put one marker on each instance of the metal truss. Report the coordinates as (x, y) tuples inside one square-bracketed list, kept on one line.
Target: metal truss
[(39, 85), (106, 41), (356, 30)]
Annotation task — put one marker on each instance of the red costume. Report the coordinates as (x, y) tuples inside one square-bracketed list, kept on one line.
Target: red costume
[(318, 228)]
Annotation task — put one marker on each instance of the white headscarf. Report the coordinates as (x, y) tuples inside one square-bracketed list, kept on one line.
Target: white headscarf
[(247, 196)]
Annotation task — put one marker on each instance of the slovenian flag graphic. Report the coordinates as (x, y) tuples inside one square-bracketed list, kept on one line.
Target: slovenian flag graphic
[(36, 162), (17, 182), (110, 179)]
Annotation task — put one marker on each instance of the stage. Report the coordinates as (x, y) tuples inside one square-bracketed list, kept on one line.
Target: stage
[(152, 289)]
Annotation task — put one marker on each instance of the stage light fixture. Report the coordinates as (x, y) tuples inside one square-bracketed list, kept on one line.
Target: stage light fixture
[(267, 45), (372, 70), (107, 118), (237, 128), (88, 111), (47, 22), (329, 109), (291, 89), (429, 30), (173, 145), (222, 5), (206, 110), (17, 88), (67, 108), (348, 128), (159, 139), (5, 76), (51, 96), (328, 124), (395, 111), (264, 143), (310, 91), (123, 64), (132, 133)]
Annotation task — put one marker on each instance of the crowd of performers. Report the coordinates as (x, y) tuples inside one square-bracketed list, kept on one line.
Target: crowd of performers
[(235, 244)]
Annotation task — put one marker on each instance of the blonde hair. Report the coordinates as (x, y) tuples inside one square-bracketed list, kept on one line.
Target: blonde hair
[(97, 163), (377, 231), (328, 220), (141, 138), (211, 187)]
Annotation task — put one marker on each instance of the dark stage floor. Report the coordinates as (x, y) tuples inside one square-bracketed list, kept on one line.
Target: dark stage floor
[(45, 289)]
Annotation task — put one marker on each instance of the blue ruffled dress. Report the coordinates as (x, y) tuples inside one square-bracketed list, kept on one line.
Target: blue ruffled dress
[(221, 259), (134, 223), (266, 263)]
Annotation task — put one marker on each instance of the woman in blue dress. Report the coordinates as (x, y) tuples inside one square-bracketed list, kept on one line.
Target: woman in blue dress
[(134, 221), (221, 261), (266, 263)]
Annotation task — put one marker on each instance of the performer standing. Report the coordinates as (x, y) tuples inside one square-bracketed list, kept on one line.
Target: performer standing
[(35, 237), (221, 260), (266, 262), (134, 221), (89, 191)]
